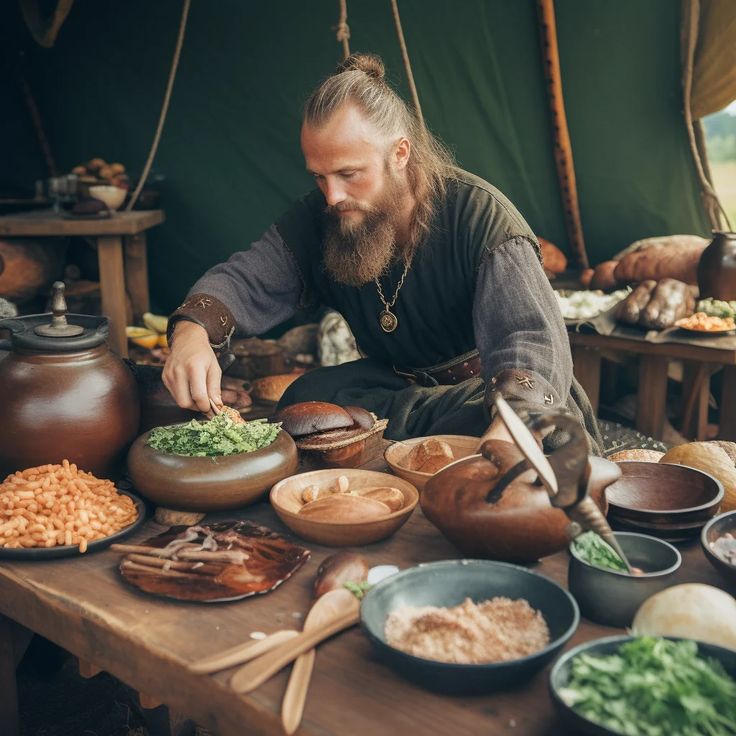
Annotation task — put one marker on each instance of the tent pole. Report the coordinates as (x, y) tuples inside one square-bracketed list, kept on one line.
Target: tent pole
[(562, 145)]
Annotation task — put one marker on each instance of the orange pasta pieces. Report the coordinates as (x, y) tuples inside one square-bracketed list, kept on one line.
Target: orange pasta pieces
[(52, 505)]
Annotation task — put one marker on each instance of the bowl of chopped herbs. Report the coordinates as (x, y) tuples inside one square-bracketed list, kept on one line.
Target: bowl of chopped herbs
[(601, 583), (640, 686), (210, 465)]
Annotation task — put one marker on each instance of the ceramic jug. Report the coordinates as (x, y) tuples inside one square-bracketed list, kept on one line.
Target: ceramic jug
[(717, 268), (64, 394)]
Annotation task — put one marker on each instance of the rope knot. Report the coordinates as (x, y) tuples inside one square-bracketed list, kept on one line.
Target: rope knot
[(343, 31)]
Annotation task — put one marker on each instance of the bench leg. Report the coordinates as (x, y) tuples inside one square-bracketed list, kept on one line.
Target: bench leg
[(586, 364), (727, 430)]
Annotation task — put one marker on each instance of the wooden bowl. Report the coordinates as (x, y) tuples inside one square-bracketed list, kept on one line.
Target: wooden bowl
[(209, 483), (396, 454), (286, 500), (663, 499)]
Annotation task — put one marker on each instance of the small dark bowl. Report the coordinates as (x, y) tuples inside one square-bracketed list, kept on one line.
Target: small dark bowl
[(715, 528), (449, 583), (560, 676), (612, 598), (663, 496)]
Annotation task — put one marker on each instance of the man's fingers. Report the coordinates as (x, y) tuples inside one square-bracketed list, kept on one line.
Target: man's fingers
[(214, 380)]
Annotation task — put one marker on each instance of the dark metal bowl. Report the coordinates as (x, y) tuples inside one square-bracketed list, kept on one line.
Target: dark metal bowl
[(715, 528), (612, 598), (449, 583), (560, 675)]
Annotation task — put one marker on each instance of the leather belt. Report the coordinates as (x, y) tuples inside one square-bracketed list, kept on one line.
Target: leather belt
[(445, 374)]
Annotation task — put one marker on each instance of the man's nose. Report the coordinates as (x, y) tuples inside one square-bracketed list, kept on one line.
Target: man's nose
[(334, 192)]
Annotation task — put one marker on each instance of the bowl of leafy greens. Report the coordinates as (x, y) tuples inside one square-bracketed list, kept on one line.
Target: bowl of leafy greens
[(210, 465), (640, 686), (601, 584)]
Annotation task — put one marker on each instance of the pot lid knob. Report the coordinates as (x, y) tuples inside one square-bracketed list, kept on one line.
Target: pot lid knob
[(58, 327)]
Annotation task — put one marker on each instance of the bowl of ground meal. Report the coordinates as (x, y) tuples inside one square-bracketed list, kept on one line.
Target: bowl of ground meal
[(210, 465), (468, 626)]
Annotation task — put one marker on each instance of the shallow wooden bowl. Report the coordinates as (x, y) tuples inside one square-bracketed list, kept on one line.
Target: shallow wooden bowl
[(209, 483), (396, 454), (286, 500), (663, 496)]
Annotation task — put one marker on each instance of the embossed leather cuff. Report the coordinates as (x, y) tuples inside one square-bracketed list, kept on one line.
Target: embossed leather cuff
[(208, 312), (523, 389)]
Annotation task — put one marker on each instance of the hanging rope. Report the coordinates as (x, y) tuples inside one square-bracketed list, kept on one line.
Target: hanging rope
[(164, 106), (407, 63), (343, 29), (562, 143), (711, 202)]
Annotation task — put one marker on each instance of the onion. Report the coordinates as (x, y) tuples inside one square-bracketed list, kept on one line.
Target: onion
[(692, 611)]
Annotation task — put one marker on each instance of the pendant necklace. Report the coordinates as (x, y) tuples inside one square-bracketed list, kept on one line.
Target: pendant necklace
[(387, 319)]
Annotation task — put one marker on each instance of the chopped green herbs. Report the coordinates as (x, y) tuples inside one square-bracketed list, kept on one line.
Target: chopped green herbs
[(218, 436), (653, 687), (594, 550)]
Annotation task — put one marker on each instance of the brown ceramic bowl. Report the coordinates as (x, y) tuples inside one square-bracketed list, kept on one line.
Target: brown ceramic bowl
[(209, 483), (663, 499), (286, 500), (396, 454), (715, 528)]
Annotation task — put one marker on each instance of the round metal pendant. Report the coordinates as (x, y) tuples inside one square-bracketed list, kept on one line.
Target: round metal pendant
[(388, 321)]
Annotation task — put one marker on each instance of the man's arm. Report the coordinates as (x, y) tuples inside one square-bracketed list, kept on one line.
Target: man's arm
[(248, 294), (519, 330)]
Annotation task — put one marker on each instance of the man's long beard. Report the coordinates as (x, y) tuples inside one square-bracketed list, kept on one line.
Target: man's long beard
[(356, 253)]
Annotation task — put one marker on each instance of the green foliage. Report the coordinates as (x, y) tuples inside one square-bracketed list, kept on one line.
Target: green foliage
[(654, 687), (594, 550), (216, 437), (720, 136)]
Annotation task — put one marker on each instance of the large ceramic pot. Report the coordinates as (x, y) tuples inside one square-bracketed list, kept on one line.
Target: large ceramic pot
[(522, 525), (717, 268), (64, 397), (208, 484)]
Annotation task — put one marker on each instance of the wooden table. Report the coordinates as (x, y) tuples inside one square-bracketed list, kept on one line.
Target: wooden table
[(83, 605), (652, 389), (121, 252)]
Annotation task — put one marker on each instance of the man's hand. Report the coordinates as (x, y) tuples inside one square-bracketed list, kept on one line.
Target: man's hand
[(192, 374)]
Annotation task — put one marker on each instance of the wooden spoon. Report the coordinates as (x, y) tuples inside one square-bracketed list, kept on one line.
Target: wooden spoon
[(336, 610), (332, 574), (241, 653)]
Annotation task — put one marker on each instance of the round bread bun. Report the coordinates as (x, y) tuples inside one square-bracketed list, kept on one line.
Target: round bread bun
[(640, 455), (311, 417)]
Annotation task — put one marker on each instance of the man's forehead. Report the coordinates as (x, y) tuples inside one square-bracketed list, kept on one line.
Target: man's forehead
[(345, 134)]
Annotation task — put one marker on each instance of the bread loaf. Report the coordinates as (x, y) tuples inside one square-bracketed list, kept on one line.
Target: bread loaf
[(603, 276), (669, 302), (630, 308), (638, 455), (677, 261), (429, 456), (272, 388), (553, 259)]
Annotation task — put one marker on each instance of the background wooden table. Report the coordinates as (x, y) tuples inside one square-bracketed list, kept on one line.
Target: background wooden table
[(652, 389), (83, 605), (121, 254)]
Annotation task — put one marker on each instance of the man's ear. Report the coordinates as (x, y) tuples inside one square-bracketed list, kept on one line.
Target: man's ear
[(402, 151)]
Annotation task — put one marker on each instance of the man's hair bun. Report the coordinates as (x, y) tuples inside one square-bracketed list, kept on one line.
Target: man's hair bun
[(370, 64)]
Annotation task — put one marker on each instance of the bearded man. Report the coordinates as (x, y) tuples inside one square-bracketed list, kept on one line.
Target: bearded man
[(435, 271)]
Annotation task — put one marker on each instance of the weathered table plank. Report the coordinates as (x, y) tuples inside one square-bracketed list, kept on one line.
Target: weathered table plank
[(83, 605)]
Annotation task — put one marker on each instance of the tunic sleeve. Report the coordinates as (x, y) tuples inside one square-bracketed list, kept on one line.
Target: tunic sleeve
[(519, 330), (251, 292)]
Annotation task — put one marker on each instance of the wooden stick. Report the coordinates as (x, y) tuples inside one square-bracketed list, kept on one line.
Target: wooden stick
[(241, 653), (161, 563), (128, 565)]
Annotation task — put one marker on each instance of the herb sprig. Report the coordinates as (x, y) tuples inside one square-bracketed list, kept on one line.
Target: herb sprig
[(654, 687), (216, 437)]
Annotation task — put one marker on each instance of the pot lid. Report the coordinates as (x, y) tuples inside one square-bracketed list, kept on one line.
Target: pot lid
[(57, 331)]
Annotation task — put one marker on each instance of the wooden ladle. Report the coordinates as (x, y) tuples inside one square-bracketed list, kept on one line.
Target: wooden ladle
[(335, 611)]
